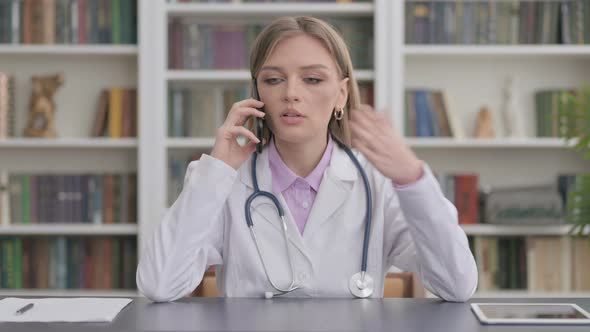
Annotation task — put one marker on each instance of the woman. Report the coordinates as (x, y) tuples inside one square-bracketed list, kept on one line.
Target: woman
[(304, 77)]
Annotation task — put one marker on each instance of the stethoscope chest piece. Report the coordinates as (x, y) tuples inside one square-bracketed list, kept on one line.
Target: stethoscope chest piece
[(359, 287)]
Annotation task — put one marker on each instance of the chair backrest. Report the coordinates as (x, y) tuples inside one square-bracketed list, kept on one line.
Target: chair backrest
[(396, 285), (400, 284)]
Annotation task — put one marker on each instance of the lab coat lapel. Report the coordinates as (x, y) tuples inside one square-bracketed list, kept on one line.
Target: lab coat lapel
[(335, 187), (263, 208)]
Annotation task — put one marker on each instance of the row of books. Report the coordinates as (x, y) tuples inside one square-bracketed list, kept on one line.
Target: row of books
[(540, 204), (548, 106), (536, 264), (116, 113), (498, 22), (462, 189), (68, 198), (427, 114), (198, 111), (68, 21), (195, 45), (68, 263), (565, 184), (7, 102)]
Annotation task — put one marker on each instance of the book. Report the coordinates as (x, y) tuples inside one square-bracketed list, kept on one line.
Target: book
[(7, 104)]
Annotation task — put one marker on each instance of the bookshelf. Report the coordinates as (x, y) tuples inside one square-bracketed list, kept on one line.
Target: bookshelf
[(89, 65), (473, 74)]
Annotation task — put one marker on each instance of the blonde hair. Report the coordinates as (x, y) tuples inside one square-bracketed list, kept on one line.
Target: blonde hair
[(286, 27)]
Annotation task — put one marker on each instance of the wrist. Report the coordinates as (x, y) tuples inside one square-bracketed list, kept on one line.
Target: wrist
[(413, 174)]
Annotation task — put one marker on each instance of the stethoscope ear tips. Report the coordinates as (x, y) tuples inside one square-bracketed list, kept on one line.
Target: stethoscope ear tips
[(268, 295)]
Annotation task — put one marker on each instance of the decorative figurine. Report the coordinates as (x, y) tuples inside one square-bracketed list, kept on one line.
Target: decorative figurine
[(484, 127), (41, 118), (513, 125)]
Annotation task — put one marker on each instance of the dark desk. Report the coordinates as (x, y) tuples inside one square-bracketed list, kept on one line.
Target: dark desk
[(209, 314)]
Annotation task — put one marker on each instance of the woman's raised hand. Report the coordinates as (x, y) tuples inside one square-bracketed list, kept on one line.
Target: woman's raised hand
[(226, 146)]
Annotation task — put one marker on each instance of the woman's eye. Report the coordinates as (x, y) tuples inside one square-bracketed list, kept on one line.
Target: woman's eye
[(272, 80), (313, 80)]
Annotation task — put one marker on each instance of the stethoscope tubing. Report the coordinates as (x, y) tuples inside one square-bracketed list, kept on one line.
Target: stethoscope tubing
[(258, 193)]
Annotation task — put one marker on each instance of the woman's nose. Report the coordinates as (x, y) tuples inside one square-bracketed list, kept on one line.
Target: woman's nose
[(292, 92)]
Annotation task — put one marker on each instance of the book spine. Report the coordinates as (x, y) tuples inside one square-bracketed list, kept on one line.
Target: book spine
[(115, 116)]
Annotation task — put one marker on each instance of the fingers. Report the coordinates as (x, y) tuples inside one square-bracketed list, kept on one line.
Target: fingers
[(361, 133), (361, 145), (250, 147), (242, 110), (363, 127), (239, 130), (365, 115)]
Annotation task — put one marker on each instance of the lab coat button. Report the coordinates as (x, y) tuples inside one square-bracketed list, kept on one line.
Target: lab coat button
[(302, 276), (305, 205)]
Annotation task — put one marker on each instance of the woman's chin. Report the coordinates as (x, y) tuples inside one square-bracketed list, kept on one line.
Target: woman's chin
[(291, 136)]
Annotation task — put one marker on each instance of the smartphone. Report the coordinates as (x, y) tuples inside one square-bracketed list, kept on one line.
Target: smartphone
[(259, 122)]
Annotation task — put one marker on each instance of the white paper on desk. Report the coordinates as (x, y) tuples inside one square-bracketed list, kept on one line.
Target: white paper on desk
[(82, 309)]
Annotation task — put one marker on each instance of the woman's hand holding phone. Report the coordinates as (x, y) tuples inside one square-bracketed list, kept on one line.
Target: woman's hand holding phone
[(226, 146)]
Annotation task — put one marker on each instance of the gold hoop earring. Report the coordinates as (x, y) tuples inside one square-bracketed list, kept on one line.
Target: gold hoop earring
[(338, 114)]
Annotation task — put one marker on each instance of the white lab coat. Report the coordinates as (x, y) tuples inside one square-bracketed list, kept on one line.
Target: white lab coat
[(414, 229)]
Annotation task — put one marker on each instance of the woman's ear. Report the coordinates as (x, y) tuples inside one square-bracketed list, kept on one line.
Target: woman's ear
[(342, 92)]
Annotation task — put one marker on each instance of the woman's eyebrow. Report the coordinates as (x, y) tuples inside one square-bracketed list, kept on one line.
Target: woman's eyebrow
[(277, 68), (318, 66)]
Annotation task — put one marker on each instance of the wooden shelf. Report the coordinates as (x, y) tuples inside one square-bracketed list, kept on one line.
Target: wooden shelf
[(238, 75), (264, 9), (521, 230), (69, 229), (65, 143), (524, 143), (64, 49), (70, 292), (498, 50)]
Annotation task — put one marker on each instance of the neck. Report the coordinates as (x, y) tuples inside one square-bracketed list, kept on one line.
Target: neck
[(301, 158)]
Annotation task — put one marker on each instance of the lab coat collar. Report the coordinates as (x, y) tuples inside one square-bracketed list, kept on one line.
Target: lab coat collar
[(333, 191), (341, 168)]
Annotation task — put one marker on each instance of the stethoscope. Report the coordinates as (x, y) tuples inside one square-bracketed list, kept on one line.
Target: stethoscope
[(361, 284)]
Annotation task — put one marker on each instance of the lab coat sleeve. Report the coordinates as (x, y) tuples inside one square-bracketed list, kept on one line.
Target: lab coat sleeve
[(427, 239), (190, 237)]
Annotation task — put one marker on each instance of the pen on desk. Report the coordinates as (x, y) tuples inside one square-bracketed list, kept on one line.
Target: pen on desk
[(24, 309)]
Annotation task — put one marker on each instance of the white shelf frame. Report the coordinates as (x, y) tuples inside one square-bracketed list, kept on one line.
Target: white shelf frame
[(68, 229), (65, 49), (498, 143), (516, 230), (238, 75), (497, 50), (67, 143), (275, 9), (379, 9), (191, 143)]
